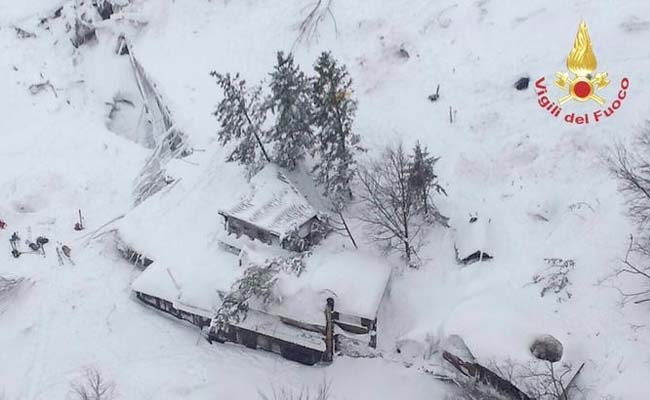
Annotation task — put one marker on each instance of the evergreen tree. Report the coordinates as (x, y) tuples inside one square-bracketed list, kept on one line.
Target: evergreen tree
[(241, 115), (422, 178), (291, 102), (257, 284), (334, 110)]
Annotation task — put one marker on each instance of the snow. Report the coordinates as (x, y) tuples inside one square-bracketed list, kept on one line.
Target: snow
[(473, 234), (189, 286), (356, 281), (274, 204), (272, 326), (157, 282), (503, 155)]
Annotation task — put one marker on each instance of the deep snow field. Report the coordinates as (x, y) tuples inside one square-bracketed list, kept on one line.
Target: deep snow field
[(503, 157)]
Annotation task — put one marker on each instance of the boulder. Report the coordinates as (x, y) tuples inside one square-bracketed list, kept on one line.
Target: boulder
[(548, 348), (522, 83)]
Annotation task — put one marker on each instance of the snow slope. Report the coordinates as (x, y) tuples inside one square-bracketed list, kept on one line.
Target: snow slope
[(503, 157)]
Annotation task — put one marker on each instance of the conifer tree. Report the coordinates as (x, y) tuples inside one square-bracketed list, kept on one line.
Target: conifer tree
[(291, 103), (334, 110), (241, 116), (422, 178)]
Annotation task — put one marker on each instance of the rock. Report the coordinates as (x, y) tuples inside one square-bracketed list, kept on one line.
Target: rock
[(522, 83), (548, 348)]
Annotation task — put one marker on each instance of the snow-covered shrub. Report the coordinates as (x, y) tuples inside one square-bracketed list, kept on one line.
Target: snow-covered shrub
[(555, 278)]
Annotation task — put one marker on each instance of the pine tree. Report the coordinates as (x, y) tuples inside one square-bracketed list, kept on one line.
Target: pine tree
[(241, 116), (257, 284), (291, 102), (422, 178), (334, 110)]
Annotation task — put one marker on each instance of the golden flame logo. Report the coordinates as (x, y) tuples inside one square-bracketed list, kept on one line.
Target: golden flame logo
[(582, 63), (582, 60)]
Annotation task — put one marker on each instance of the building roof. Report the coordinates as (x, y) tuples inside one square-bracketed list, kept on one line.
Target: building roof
[(356, 281), (273, 204), (192, 287), (190, 269)]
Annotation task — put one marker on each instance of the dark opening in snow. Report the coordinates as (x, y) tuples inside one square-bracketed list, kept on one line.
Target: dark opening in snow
[(476, 256)]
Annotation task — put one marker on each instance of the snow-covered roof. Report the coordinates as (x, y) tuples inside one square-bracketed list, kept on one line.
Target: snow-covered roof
[(191, 287), (356, 281), (473, 234), (273, 204), (190, 268)]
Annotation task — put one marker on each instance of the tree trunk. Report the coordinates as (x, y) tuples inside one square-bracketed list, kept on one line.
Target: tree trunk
[(485, 376), (348, 230), (328, 356)]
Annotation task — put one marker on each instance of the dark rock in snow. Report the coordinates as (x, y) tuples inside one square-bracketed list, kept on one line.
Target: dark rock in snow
[(522, 83), (546, 347), (403, 53)]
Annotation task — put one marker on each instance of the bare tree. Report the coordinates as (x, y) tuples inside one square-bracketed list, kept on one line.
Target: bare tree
[(308, 28), (543, 380), (635, 264), (322, 392), (93, 386), (537, 380), (632, 168), (391, 210), (633, 172)]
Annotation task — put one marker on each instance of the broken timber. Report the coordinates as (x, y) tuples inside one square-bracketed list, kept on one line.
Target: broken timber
[(485, 376), (167, 141)]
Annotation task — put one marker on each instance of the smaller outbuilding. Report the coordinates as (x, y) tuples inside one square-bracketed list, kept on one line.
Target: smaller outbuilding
[(275, 213), (472, 240)]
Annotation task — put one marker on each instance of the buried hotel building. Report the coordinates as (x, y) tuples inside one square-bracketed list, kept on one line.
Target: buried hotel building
[(333, 299)]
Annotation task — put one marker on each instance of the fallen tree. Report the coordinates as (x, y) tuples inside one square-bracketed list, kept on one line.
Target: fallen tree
[(476, 373)]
